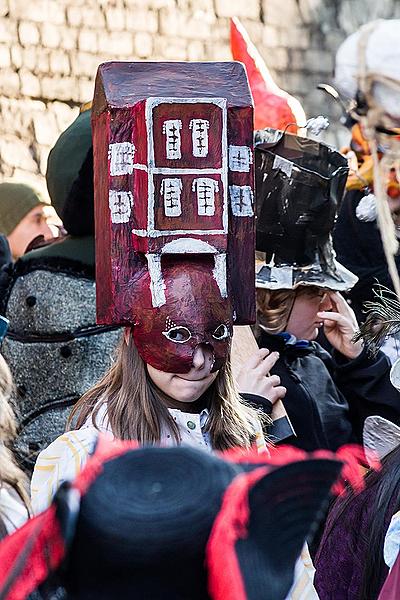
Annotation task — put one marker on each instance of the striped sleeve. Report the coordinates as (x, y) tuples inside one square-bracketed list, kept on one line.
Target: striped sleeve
[(59, 462)]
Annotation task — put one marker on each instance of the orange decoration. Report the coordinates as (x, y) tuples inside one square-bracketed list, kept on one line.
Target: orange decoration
[(273, 107)]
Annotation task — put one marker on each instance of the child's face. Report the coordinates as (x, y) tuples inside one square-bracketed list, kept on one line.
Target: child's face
[(303, 320), (187, 387)]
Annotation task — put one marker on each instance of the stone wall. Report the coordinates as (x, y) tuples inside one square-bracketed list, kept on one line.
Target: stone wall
[(50, 49)]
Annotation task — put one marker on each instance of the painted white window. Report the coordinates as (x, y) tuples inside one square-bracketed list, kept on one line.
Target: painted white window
[(172, 131), (240, 158), (171, 190), (121, 156), (205, 188), (199, 129), (120, 204), (241, 200)]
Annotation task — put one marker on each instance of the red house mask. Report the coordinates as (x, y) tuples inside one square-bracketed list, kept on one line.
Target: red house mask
[(194, 314)]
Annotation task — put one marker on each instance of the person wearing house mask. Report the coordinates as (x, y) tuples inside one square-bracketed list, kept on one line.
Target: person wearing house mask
[(299, 183)]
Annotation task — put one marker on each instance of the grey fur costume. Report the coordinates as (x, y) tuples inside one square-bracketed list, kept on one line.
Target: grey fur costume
[(54, 348)]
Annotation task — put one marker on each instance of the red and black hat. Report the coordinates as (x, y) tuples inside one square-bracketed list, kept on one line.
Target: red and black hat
[(173, 523)]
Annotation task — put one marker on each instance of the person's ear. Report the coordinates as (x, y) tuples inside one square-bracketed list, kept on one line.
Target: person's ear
[(127, 335)]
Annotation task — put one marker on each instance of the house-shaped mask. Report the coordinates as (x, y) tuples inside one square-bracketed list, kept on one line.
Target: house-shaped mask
[(173, 168)]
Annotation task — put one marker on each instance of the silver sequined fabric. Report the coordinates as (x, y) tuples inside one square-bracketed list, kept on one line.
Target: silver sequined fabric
[(51, 376)]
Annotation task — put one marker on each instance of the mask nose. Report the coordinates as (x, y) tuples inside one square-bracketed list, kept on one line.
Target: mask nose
[(203, 357)]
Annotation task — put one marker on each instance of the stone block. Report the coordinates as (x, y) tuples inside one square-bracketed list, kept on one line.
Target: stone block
[(281, 13), (59, 62), (35, 179), (84, 64), (29, 56), (60, 88), (86, 88), (5, 57), (8, 31), (294, 37), (50, 34), (63, 113), (3, 8), (309, 11), (74, 16), (170, 48), (143, 44), (270, 36), (218, 51), (275, 58), (296, 59), (116, 43), (69, 38), (93, 17), (296, 83), (115, 18), (28, 34), (141, 19), (155, 4), (238, 8), (87, 40), (16, 56), (9, 83), (45, 128), (42, 60), (16, 153), (51, 11), (319, 61), (196, 50), (30, 84), (180, 24)]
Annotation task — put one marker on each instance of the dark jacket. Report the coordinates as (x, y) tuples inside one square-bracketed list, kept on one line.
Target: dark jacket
[(329, 397), (359, 247)]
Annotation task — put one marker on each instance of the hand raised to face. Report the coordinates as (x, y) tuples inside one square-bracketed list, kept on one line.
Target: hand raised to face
[(340, 325)]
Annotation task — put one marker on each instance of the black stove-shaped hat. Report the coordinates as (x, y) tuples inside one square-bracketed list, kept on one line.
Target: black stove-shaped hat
[(174, 523), (299, 185)]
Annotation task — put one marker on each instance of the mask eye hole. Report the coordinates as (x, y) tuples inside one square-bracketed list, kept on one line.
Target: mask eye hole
[(221, 333), (178, 335)]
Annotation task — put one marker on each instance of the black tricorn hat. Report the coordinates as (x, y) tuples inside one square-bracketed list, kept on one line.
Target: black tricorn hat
[(299, 186), (174, 523)]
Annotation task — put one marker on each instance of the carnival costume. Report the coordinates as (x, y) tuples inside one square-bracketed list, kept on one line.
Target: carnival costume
[(173, 523), (299, 185)]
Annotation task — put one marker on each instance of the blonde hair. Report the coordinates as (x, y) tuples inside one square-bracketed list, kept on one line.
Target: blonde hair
[(273, 308), (136, 410), (10, 473)]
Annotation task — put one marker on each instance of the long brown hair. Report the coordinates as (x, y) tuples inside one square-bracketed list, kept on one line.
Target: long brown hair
[(10, 473), (135, 409)]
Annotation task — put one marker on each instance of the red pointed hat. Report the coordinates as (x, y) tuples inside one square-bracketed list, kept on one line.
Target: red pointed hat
[(273, 107), (157, 522)]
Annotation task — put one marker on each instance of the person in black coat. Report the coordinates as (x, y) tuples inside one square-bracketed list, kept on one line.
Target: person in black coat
[(328, 396), (299, 185)]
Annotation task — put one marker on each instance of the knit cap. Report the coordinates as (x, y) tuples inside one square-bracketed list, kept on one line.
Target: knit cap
[(16, 200)]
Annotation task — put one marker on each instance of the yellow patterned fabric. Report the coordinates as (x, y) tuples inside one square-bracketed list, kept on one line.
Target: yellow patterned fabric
[(59, 462), (65, 457)]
